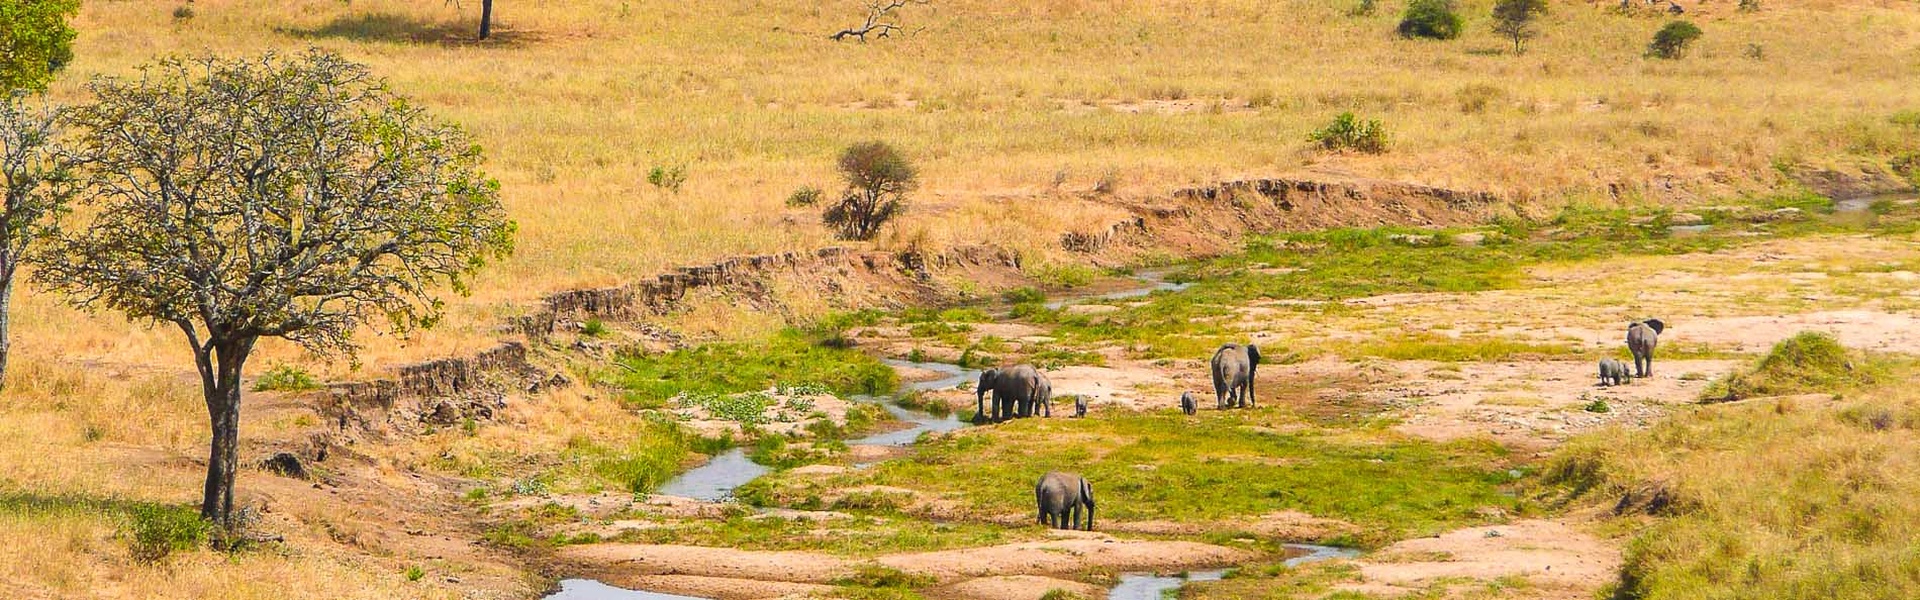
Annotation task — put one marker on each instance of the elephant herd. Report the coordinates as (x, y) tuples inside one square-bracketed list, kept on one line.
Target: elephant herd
[(1642, 338)]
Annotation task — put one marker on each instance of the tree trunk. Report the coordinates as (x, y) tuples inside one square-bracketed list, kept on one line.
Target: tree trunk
[(6, 311), (220, 383), (486, 18)]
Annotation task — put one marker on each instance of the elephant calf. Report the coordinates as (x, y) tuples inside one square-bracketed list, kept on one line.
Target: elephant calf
[(1061, 496), (1187, 404), (1614, 372), (1080, 406), (1642, 338)]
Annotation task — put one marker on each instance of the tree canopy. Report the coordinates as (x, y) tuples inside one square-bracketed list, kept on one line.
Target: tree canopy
[(35, 42)]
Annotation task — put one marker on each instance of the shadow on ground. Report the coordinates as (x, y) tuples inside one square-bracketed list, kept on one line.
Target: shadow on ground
[(399, 28)]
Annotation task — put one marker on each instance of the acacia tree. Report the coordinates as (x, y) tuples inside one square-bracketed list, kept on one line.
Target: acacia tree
[(1514, 19), (35, 41), (878, 179), (33, 193), (295, 198)]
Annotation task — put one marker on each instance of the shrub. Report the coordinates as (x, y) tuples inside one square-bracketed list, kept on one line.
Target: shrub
[(154, 531), (1433, 19), (415, 573), (668, 177), (285, 378), (1671, 41), (183, 12), (1362, 9), (878, 179), (1348, 132), (805, 196), (1747, 6), (1809, 362)]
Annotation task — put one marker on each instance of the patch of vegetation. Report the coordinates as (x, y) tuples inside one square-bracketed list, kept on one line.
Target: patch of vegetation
[(1064, 275), (1145, 466), (1446, 349), (667, 178), (789, 358), (1832, 517), (285, 378), (593, 328), (1349, 132), (1597, 406), (881, 576), (804, 196), (1808, 362), (154, 531), (637, 463), (1671, 41), (1432, 19)]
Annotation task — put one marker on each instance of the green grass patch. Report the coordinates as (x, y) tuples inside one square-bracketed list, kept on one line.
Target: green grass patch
[(791, 358), (1446, 349), (285, 378), (1808, 362), (863, 534), (1148, 466)]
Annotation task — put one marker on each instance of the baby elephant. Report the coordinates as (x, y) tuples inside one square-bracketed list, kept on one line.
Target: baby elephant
[(1187, 403), (1080, 406), (1614, 372), (1060, 496)]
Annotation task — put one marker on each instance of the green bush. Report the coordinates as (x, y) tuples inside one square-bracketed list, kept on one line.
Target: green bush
[(668, 177), (1433, 19), (415, 573), (1348, 132), (593, 328), (153, 531), (285, 378), (1671, 41), (806, 195), (1810, 362)]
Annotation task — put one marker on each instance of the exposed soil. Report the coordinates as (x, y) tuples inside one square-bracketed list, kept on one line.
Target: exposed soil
[(1560, 561)]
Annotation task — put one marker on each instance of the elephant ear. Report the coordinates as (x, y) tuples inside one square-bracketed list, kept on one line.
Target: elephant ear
[(1658, 327), (1253, 355)]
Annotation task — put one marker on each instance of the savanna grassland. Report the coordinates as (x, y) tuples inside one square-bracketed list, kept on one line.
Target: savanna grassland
[(1429, 398)]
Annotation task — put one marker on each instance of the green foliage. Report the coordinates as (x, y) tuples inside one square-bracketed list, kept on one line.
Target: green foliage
[(1749, 6), (1348, 132), (790, 358), (153, 531), (1363, 8), (1433, 19), (1024, 295), (804, 196), (878, 180), (1064, 275), (1449, 349), (1597, 406), (285, 378), (638, 463), (1060, 594), (667, 177), (35, 42), (1515, 20), (1671, 41), (183, 13), (593, 328), (1808, 362), (415, 573), (881, 576)]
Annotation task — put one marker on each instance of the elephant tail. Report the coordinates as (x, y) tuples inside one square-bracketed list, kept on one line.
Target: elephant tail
[(1086, 492)]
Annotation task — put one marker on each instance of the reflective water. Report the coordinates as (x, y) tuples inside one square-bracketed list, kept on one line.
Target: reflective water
[(1155, 280), (588, 589), (1151, 586), (716, 480)]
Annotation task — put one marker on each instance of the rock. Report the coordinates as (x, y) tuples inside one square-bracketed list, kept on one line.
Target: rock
[(285, 464), (1686, 219)]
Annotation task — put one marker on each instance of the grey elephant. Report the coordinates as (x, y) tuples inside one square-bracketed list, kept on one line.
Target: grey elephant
[(1187, 403), (1233, 370), (1642, 338), (1060, 497), (1015, 392), (1080, 406), (1614, 372)]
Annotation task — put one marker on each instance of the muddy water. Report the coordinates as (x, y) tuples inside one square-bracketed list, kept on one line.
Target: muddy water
[(588, 589), (716, 480), (1152, 586), (1155, 280)]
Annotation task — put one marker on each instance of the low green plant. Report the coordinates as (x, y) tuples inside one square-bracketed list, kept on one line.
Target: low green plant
[(415, 573), (1432, 19), (285, 378), (1597, 406), (1349, 132), (790, 358), (668, 177), (804, 196), (593, 328), (1808, 362), (154, 531)]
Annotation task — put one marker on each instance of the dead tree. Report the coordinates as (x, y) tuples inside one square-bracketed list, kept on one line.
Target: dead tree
[(883, 18)]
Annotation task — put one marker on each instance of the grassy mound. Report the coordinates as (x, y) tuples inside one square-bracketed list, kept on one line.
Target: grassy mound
[(1809, 362), (1777, 498)]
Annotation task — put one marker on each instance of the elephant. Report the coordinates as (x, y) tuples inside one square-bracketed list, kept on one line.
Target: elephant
[(1016, 390), (1079, 407), (1187, 404), (1233, 370), (1614, 372), (1642, 338), (1060, 497)]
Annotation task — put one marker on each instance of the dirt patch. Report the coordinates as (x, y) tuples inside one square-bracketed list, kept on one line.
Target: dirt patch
[(718, 588), (1074, 554), (1559, 558), (617, 562), (1015, 587)]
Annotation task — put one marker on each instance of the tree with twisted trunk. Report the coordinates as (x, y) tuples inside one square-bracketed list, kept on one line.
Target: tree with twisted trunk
[(274, 197), (34, 191), (878, 179)]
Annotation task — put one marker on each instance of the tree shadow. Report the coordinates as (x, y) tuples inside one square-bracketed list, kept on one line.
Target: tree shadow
[(408, 29)]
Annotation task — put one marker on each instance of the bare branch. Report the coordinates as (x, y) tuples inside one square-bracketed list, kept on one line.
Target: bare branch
[(883, 19)]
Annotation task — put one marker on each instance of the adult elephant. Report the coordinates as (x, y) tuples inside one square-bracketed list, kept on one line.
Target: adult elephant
[(1233, 370), (1015, 391), (1642, 338), (1060, 497)]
